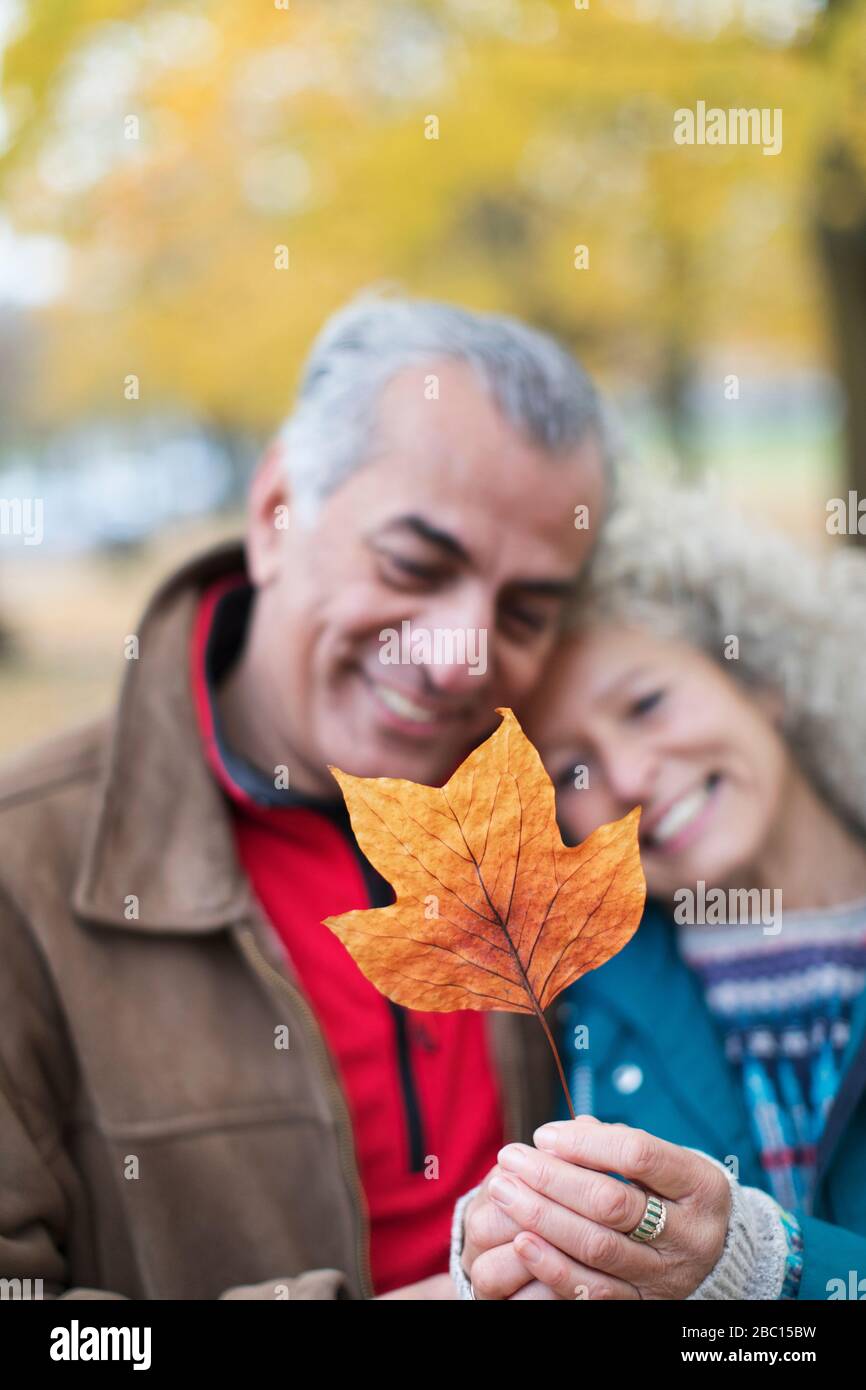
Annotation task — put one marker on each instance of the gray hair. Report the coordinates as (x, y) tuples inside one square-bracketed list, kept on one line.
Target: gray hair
[(536, 383), (676, 562)]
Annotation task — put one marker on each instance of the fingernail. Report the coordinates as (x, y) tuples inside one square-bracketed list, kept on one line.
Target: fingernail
[(529, 1251), (513, 1157), (503, 1191), (545, 1138)]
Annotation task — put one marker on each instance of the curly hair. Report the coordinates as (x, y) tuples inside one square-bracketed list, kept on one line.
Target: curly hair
[(674, 561)]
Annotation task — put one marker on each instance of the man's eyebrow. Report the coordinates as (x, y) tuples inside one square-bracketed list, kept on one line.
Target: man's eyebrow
[(433, 534), (545, 588)]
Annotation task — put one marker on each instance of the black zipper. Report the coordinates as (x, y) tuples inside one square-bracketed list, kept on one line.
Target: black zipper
[(411, 1104)]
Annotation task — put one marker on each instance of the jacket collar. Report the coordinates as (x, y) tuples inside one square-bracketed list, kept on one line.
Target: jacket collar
[(218, 631), (160, 852)]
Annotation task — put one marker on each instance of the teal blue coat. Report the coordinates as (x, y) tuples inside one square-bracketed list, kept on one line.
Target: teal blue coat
[(653, 1058)]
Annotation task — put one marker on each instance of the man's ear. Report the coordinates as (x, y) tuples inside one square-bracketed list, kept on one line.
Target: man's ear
[(267, 516)]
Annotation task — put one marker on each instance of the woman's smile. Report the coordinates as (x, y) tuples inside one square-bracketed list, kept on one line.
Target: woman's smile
[(683, 820)]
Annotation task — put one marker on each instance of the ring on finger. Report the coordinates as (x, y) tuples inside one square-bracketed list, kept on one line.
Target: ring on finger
[(652, 1223)]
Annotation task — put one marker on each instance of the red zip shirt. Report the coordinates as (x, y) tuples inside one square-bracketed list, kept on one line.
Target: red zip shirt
[(420, 1087)]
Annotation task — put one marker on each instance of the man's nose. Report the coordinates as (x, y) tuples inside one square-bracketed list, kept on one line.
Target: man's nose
[(461, 636)]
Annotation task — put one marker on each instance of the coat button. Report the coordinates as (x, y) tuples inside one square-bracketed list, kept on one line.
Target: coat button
[(628, 1078)]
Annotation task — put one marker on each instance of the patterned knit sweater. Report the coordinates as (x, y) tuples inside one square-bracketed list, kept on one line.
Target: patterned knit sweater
[(784, 1006)]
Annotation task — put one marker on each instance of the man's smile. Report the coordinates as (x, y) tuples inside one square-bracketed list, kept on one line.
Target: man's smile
[(413, 712)]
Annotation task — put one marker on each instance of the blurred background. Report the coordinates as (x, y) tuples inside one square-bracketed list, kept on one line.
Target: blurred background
[(189, 188)]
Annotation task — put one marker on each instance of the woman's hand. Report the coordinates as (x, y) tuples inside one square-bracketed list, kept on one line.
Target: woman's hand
[(574, 1219), (489, 1261)]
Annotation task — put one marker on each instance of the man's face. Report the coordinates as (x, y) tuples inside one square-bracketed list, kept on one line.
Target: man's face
[(455, 524)]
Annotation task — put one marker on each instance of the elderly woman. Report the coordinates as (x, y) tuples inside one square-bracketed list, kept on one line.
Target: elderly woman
[(716, 678)]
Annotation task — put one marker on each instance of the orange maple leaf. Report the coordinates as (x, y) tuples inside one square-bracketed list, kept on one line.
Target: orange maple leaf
[(492, 910)]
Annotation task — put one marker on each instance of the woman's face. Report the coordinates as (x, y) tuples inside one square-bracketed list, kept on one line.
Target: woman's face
[(657, 723)]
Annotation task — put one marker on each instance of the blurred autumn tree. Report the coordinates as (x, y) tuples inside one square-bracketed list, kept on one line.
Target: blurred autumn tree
[(839, 209), (176, 148)]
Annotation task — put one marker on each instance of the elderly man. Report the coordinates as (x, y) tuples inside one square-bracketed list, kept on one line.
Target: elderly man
[(200, 1094)]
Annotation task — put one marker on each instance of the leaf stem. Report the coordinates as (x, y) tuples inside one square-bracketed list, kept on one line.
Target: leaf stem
[(547, 1033)]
